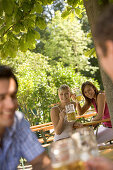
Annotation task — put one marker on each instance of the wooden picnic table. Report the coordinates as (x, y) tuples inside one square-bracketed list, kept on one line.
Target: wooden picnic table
[(96, 122), (87, 115), (44, 128), (48, 126), (107, 153)]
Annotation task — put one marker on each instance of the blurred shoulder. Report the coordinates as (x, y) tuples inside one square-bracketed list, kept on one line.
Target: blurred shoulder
[(55, 109), (20, 120), (101, 96), (19, 115)]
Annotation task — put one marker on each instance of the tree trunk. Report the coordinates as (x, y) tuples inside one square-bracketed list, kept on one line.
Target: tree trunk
[(93, 10)]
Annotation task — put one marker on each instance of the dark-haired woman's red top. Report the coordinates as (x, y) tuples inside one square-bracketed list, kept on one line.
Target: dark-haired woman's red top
[(106, 113)]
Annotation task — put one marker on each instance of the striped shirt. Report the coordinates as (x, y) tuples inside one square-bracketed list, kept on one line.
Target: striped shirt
[(18, 141)]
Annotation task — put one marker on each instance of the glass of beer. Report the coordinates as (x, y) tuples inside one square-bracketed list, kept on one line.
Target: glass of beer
[(79, 97), (64, 155), (85, 139), (70, 112)]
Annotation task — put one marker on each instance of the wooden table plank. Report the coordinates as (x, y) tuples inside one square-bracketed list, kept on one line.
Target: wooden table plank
[(107, 153), (86, 115), (96, 122)]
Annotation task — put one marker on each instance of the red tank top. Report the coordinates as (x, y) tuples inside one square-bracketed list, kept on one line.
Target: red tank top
[(106, 113)]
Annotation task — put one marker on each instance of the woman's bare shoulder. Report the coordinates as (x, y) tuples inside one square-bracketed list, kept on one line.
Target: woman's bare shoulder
[(101, 95), (55, 109)]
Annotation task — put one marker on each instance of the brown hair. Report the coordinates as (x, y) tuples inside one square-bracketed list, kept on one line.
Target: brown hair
[(104, 28), (89, 84)]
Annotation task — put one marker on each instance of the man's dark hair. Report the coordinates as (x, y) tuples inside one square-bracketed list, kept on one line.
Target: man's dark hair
[(104, 28), (7, 72)]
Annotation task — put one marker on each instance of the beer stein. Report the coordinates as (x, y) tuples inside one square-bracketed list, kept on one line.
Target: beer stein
[(70, 112), (85, 139), (64, 155)]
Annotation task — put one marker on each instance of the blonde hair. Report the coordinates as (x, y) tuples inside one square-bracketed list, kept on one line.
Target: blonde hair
[(64, 87)]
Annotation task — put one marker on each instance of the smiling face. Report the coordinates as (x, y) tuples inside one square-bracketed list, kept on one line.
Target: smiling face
[(8, 102), (64, 95), (89, 92)]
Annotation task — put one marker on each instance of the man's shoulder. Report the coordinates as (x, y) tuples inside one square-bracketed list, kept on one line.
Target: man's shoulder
[(19, 115), (20, 121)]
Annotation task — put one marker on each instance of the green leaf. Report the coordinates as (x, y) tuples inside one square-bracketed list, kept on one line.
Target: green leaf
[(2, 54), (19, 15), (40, 22), (8, 20), (8, 6), (38, 8), (26, 6), (90, 52), (37, 35), (78, 12), (66, 13), (23, 44), (29, 23), (16, 29), (32, 46), (1, 8), (30, 36), (89, 35)]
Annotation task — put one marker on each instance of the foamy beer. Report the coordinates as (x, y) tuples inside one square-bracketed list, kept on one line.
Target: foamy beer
[(70, 112), (79, 97), (65, 155)]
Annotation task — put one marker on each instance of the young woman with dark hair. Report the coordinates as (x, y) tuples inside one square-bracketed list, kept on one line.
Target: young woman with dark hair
[(96, 98)]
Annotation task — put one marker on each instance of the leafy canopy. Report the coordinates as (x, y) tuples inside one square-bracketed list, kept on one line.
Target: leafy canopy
[(18, 20)]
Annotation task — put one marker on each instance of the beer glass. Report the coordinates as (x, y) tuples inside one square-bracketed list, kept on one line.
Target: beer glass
[(70, 112), (85, 139), (79, 97), (64, 155)]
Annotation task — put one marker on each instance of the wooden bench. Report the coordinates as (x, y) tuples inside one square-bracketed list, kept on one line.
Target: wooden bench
[(44, 130), (47, 137)]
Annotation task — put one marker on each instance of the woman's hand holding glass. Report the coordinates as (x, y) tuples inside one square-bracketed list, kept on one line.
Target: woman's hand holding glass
[(77, 97), (73, 97)]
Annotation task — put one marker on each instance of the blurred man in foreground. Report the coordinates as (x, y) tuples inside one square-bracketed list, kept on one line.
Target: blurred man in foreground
[(104, 48), (16, 138)]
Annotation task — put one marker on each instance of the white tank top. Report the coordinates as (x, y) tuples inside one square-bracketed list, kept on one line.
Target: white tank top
[(67, 130)]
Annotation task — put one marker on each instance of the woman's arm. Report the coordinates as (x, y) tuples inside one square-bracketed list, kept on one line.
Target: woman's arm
[(100, 106), (57, 120), (84, 108)]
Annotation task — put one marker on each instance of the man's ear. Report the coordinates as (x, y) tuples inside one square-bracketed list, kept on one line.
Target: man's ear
[(109, 48)]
